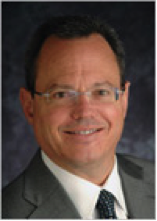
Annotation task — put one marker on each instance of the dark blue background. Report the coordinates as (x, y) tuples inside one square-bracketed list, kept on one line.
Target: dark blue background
[(134, 21)]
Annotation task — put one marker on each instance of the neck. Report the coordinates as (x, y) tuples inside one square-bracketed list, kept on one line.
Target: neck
[(96, 172)]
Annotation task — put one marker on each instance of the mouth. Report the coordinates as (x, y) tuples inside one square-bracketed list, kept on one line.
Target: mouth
[(84, 132)]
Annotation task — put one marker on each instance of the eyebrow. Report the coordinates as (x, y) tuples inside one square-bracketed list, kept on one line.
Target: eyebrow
[(103, 84), (62, 86), (68, 86)]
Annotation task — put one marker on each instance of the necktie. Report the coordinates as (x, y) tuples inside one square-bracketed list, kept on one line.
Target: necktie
[(105, 205)]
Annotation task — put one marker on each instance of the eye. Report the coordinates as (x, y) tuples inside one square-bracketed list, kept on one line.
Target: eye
[(60, 94), (102, 92)]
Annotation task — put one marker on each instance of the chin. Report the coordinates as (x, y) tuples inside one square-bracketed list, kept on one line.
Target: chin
[(86, 157)]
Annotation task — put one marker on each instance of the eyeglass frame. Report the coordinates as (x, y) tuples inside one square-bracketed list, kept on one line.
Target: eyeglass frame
[(116, 90)]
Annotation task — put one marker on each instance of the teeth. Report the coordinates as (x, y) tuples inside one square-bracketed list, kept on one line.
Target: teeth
[(84, 132)]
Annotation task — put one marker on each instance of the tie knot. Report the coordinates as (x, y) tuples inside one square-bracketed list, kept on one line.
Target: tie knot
[(105, 205)]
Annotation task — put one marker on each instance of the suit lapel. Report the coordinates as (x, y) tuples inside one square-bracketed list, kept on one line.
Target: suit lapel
[(46, 194), (138, 195)]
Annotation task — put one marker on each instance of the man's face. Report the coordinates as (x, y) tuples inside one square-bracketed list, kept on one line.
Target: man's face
[(83, 132)]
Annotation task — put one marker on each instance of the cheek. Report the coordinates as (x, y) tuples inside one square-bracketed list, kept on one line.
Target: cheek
[(56, 117), (114, 116), (47, 122)]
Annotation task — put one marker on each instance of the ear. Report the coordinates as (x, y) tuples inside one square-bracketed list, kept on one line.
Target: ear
[(27, 104), (125, 98)]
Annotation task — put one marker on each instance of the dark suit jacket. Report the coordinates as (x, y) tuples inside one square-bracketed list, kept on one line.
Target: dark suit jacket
[(37, 194)]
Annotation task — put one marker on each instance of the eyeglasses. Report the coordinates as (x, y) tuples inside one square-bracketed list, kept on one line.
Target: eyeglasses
[(103, 94)]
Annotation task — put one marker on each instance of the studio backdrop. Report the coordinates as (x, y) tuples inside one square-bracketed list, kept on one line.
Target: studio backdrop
[(134, 22)]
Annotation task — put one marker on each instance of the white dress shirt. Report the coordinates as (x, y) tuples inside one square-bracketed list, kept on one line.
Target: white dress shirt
[(84, 194)]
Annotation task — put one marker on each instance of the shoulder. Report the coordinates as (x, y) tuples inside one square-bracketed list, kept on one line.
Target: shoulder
[(146, 167), (136, 160), (14, 203)]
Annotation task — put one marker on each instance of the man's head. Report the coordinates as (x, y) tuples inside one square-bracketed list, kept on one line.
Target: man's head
[(83, 56), (71, 27)]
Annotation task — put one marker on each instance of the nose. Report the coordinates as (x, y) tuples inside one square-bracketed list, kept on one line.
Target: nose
[(82, 107)]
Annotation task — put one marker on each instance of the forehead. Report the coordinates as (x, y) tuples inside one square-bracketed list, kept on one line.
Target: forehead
[(76, 61)]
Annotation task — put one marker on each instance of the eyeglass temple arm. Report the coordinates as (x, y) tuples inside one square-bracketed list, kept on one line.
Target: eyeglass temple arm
[(38, 93)]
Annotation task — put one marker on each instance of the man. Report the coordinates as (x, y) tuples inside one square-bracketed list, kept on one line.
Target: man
[(76, 101)]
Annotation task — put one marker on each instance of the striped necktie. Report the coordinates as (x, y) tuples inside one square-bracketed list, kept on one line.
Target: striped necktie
[(105, 205)]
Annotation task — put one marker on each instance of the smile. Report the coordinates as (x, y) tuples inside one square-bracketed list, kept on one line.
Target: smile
[(83, 132)]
